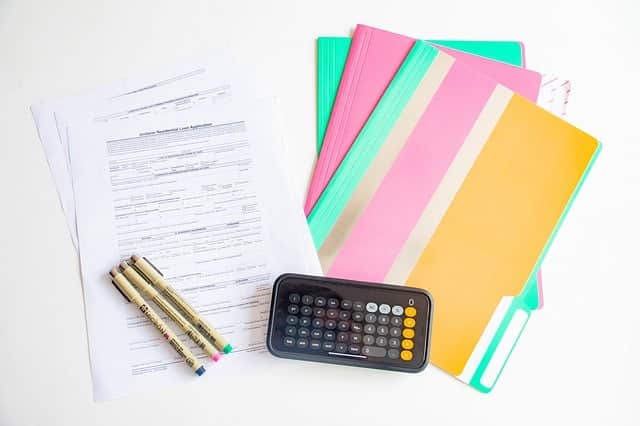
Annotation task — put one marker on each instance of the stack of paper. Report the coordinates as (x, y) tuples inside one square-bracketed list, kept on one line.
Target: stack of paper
[(436, 170), (180, 166)]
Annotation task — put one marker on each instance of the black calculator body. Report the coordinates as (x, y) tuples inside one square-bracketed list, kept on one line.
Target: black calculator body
[(350, 322)]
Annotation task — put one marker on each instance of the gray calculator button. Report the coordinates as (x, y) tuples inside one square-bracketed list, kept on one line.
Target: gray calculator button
[(358, 306), (306, 310), (305, 321), (356, 327), (303, 332), (328, 346), (396, 321), (343, 326), (316, 333), (394, 342), (372, 307), (332, 313), (357, 316), (293, 309), (393, 353), (356, 338), (289, 341), (341, 347), (318, 312), (290, 331), (330, 335), (395, 332), (307, 299), (330, 324), (303, 343), (315, 344), (344, 315), (374, 351), (383, 319), (370, 329), (343, 337), (381, 341), (383, 330), (333, 303), (370, 318), (385, 309), (318, 322), (397, 310), (354, 349), (294, 298), (368, 339), (321, 302), (346, 304), (292, 320)]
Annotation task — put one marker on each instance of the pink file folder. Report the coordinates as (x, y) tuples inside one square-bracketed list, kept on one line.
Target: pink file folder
[(416, 173), (374, 57)]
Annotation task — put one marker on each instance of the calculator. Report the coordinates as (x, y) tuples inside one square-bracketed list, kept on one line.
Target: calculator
[(350, 322)]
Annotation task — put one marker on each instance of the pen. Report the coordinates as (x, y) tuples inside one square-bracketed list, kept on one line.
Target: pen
[(131, 294), (141, 284), (156, 278)]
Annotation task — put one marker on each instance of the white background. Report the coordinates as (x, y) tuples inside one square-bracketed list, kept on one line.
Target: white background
[(576, 362)]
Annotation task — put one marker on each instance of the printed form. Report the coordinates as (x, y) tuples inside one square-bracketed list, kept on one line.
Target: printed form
[(197, 83), (200, 193)]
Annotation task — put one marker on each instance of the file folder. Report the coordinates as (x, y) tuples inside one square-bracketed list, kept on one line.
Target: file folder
[(332, 56), (333, 51), (460, 198), (374, 57)]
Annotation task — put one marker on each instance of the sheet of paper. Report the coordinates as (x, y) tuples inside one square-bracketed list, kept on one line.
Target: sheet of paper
[(214, 79), (201, 194), (554, 94)]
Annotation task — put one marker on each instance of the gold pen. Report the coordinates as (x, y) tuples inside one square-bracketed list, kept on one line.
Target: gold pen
[(140, 283), (154, 276), (131, 294)]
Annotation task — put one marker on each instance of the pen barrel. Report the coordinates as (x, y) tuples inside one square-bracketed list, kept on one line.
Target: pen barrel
[(184, 352), (141, 284), (132, 295), (209, 332), (157, 280), (185, 325)]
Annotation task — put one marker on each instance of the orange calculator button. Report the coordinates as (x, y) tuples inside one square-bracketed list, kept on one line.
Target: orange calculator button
[(407, 344), (409, 322), (408, 333), (410, 311), (406, 355)]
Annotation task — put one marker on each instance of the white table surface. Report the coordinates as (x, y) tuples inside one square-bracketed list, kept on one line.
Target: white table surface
[(576, 362)]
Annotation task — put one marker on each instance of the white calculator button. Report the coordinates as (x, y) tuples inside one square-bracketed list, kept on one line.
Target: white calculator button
[(372, 307), (385, 309), (397, 310)]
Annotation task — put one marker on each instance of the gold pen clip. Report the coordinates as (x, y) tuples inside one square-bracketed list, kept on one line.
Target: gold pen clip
[(153, 266), (139, 271), (118, 288)]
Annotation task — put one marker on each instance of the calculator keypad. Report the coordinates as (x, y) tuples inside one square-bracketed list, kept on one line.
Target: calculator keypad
[(366, 339), (371, 325)]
